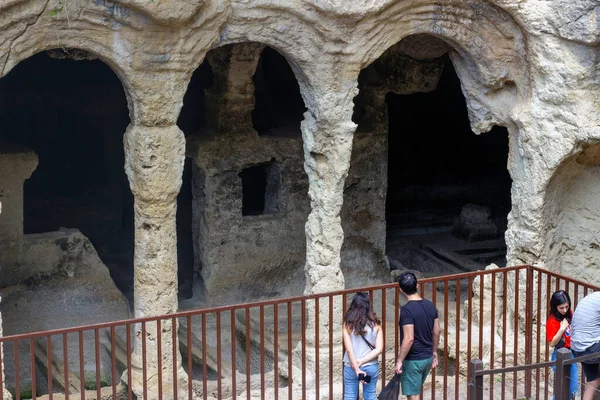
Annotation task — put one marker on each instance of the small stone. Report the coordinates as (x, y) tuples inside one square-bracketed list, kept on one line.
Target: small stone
[(475, 224)]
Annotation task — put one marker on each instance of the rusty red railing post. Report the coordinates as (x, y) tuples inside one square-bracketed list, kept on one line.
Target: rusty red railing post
[(475, 380), (561, 379), (113, 365), (248, 354), (528, 329), (289, 343), (516, 331), (445, 339), (317, 344), (492, 336), (469, 323), (262, 352), (32, 354), (2, 371), (17, 371), (383, 327), (276, 350), (331, 328), (204, 364), (97, 352), (457, 355), (82, 367)]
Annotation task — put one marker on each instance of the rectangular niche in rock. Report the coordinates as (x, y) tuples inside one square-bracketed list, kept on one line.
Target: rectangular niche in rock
[(260, 189)]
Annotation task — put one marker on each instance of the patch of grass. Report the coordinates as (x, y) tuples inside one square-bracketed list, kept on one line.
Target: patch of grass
[(25, 394), (91, 385)]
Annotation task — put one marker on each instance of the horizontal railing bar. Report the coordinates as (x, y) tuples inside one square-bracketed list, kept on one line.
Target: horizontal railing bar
[(464, 275), (271, 302), (535, 366), (569, 279), (514, 368)]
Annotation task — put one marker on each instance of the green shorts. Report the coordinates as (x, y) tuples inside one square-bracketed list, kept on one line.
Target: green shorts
[(413, 375)]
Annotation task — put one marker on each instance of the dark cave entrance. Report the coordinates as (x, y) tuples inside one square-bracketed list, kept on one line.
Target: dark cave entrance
[(73, 114), (279, 107), (443, 191), (438, 168), (192, 122)]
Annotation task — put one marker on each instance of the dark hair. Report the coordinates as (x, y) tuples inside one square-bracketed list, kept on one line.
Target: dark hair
[(408, 283), (360, 313), (558, 298)]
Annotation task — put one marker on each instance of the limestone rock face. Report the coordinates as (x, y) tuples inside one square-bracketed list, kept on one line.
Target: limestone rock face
[(527, 65), (64, 253), (267, 246), (574, 247), (363, 259), (165, 12), (236, 250), (66, 285)]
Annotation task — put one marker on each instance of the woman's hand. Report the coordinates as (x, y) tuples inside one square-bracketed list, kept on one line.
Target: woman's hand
[(356, 367), (564, 324), (360, 372)]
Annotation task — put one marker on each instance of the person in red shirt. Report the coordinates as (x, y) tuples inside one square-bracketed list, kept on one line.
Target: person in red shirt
[(558, 331)]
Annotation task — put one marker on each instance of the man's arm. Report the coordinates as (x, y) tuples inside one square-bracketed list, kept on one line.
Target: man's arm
[(407, 342), (436, 341)]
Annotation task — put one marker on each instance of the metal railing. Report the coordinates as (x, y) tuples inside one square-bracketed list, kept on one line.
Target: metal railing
[(268, 349), (562, 380)]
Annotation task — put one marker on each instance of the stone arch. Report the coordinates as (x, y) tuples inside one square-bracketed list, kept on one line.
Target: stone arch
[(75, 159), (248, 186), (294, 54), (410, 76), (572, 215), (480, 33), (486, 45), (53, 106)]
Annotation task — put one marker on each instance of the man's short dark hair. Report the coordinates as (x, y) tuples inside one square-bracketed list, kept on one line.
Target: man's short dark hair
[(408, 283)]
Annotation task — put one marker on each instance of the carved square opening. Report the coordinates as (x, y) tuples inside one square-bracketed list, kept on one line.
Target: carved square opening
[(260, 189)]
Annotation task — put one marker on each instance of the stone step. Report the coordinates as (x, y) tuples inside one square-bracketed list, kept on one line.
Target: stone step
[(461, 262), (198, 357), (58, 371)]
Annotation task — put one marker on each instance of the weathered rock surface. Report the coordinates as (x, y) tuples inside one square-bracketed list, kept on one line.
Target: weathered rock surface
[(67, 285), (529, 66)]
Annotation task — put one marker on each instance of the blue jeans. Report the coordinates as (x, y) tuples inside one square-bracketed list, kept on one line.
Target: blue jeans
[(351, 382), (574, 386)]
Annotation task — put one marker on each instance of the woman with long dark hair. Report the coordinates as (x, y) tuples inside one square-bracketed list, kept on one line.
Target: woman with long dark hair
[(558, 331), (363, 340)]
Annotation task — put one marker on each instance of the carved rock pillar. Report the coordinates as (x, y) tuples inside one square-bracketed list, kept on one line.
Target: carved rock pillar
[(230, 99), (154, 165), (327, 133)]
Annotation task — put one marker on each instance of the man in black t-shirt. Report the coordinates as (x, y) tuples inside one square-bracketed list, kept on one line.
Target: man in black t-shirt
[(419, 338)]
